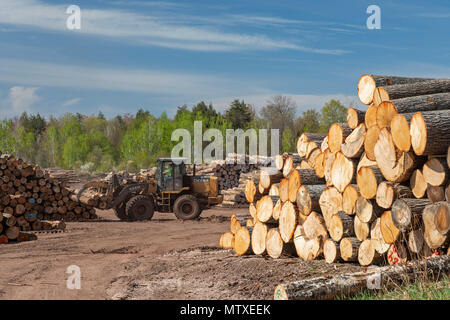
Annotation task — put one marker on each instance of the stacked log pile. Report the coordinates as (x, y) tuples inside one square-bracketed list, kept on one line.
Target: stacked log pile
[(373, 190), (29, 193)]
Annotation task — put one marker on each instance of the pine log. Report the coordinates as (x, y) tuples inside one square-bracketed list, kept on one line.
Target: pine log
[(342, 171), (430, 132), (367, 254), (400, 132), (349, 198), (308, 198), (353, 145), (340, 225), (435, 194), (435, 171), (283, 190), (294, 182), (436, 215), (349, 248), (397, 253), (417, 89), (388, 192), (389, 231), (406, 213), (418, 183), (258, 238), (377, 237), (287, 221), (385, 112), (367, 210), (370, 141), (326, 287), (242, 240), (331, 251), (330, 202), (367, 180), (269, 176), (361, 229), (415, 241), (314, 226), (337, 133), (355, 117)]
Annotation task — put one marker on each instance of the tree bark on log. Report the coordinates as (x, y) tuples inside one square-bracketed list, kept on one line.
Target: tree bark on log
[(388, 192), (430, 132), (417, 89), (406, 213), (341, 225), (435, 171), (347, 284), (367, 210), (308, 198), (429, 102), (436, 218)]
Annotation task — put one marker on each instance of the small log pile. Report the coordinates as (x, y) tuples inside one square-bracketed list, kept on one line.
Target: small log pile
[(29, 193), (374, 190)]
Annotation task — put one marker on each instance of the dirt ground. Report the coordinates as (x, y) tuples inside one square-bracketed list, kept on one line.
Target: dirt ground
[(160, 259)]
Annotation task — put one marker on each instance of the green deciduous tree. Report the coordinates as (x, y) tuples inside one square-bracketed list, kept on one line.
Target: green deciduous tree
[(332, 112)]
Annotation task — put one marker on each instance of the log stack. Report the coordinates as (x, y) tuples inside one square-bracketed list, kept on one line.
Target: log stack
[(374, 190), (29, 193)]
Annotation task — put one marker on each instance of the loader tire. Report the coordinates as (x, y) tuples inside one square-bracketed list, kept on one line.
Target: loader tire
[(140, 208), (121, 212), (186, 207)]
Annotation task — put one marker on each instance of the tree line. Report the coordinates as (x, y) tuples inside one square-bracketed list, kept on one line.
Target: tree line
[(130, 142)]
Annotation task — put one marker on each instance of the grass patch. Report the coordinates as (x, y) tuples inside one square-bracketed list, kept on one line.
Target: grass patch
[(417, 290)]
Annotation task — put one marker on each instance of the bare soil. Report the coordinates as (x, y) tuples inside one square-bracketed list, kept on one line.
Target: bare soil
[(160, 259)]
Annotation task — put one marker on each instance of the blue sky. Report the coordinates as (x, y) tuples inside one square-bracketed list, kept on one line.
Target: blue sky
[(158, 55)]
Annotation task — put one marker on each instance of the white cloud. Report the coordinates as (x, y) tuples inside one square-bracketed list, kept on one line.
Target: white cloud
[(21, 99), (115, 79), (144, 29), (71, 102)]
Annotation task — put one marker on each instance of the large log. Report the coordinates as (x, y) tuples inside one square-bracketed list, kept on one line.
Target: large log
[(370, 141), (294, 182), (418, 183), (389, 231), (269, 176), (331, 251), (340, 225), (355, 117), (430, 132), (330, 202), (349, 248), (337, 133), (367, 210), (288, 221), (435, 171), (435, 194), (307, 249), (327, 287), (388, 192), (429, 102), (349, 198), (367, 180), (367, 254), (417, 89), (385, 112), (362, 229), (401, 132), (342, 171), (436, 218), (258, 238), (264, 208), (308, 198), (415, 241), (242, 240), (314, 226), (377, 238), (406, 213), (353, 145)]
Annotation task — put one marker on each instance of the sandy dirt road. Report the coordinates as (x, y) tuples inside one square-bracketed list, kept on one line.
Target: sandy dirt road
[(160, 259)]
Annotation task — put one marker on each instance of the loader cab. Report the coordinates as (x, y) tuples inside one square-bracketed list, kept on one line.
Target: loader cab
[(170, 173)]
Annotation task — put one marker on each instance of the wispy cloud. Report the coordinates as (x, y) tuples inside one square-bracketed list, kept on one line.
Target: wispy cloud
[(145, 29), (70, 102), (22, 98)]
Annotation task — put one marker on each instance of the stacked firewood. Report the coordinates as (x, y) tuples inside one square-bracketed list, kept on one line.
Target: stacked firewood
[(372, 190), (30, 194)]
